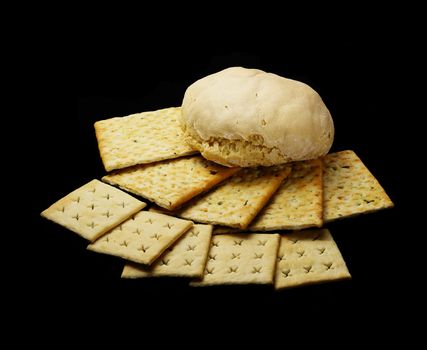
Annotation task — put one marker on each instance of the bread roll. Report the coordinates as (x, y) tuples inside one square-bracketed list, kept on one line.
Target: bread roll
[(247, 117)]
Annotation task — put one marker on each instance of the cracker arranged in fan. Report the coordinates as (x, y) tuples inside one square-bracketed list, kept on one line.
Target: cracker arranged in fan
[(241, 259), (297, 204), (173, 182), (236, 201), (141, 138), (186, 258), (307, 257), (93, 209), (349, 187), (143, 238)]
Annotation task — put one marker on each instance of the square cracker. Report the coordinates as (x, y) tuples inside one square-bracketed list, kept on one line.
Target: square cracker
[(349, 188), (241, 259), (143, 238), (237, 200), (141, 138), (93, 209), (186, 258), (297, 204), (172, 182), (307, 257)]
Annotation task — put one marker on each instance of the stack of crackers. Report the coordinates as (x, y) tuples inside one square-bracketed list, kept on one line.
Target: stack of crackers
[(210, 223)]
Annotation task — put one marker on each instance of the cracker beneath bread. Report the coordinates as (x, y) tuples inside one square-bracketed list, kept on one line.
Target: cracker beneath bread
[(141, 138), (93, 209), (308, 257), (297, 204), (171, 183), (186, 258), (236, 201), (143, 238), (241, 259), (349, 188)]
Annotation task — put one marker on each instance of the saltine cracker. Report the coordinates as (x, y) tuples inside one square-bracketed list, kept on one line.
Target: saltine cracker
[(143, 238), (308, 257), (186, 258), (93, 209), (241, 259), (349, 187), (171, 183), (141, 138), (236, 201), (298, 203)]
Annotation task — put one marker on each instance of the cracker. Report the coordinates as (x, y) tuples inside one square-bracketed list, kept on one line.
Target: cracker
[(241, 259), (307, 257), (141, 138), (186, 258), (297, 204), (93, 209), (349, 188), (237, 200), (143, 238), (172, 182)]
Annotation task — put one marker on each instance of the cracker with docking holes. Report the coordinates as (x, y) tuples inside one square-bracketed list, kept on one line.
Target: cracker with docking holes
[(186, 258), (173, 182), (141, 138), (241, 259), (237, 200), (93, 209), (142, 238), (308, 257), (297, 204), (349, 188)]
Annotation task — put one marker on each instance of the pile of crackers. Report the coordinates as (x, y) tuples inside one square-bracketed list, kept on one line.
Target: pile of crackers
[(210, 223)]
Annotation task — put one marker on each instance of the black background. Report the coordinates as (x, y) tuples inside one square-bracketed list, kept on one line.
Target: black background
[(356, 81)]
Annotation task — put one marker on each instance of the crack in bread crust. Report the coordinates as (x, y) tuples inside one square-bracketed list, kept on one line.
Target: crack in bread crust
[(241, 153)]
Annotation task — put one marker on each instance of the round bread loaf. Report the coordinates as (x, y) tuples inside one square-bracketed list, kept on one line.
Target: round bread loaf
[(247, 117)]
